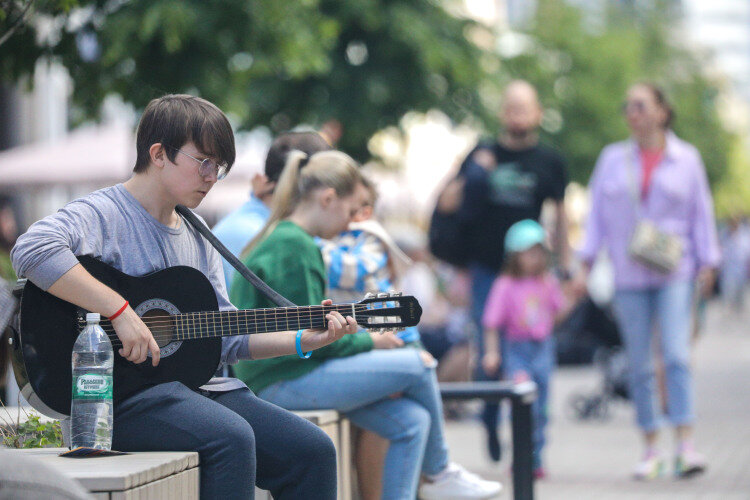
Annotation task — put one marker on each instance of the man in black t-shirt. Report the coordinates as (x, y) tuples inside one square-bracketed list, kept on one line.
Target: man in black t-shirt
[(512, 187), (505, 182)]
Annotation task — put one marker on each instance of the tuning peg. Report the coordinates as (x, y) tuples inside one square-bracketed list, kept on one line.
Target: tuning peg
[(369, 295), (396, 294), (382, 295)]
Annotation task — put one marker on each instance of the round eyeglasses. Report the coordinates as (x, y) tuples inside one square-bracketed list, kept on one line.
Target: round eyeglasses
[(208, 166)]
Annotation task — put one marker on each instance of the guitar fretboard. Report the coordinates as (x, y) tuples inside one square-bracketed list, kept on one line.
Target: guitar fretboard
[(226, 323)]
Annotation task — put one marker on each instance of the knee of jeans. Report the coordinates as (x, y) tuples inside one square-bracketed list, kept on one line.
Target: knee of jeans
[(325, 456), (316, 449), (413, 423), (239, 438), (415, 373), (674, 360)]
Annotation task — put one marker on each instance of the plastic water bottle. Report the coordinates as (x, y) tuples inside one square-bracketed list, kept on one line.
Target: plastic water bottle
[(91, 404)]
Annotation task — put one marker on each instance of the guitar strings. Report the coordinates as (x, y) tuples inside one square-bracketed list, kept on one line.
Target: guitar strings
[(266, 313), (201, 319), (318, 324), (242, 329), (277, 311), (199, 316), (117, 342)]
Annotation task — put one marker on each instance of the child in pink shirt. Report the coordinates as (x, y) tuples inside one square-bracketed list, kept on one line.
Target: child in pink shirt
[(524, 304)]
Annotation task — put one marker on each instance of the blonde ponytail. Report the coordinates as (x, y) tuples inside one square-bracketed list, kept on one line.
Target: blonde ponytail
[(284, 198), (301, 176)]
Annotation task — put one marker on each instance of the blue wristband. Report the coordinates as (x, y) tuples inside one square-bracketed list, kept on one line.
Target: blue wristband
[(298, 345)]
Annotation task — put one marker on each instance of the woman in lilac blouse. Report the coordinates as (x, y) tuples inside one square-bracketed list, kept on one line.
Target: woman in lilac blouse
[(660, 178)]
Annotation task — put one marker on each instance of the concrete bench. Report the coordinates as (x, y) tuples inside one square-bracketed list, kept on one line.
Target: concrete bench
[(136, 465), (142, 476)]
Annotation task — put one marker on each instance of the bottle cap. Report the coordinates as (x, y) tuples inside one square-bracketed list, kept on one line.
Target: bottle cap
[(92, 317)]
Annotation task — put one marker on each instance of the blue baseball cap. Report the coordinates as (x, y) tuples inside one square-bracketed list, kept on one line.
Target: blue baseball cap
[(523, 235)]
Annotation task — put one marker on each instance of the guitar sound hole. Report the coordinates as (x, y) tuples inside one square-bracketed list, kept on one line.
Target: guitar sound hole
[(161, 326)]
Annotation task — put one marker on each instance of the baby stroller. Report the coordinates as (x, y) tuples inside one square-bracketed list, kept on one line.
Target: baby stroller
[(590, 336)]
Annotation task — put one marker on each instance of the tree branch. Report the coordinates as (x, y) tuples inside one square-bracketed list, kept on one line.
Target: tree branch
[(17, 23)]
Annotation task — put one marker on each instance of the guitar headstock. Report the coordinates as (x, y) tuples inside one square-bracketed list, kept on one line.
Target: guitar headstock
[(388, 311)]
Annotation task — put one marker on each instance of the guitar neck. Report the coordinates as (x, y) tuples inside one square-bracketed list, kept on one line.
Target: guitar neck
[(206, 324)]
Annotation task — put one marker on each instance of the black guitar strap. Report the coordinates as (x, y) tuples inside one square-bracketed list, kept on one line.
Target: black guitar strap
[(241, 268)]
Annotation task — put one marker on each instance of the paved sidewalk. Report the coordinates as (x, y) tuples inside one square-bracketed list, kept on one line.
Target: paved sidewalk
[(593, 460)]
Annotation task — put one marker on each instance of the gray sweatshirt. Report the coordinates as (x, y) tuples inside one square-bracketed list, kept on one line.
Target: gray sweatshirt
[(112, 226)]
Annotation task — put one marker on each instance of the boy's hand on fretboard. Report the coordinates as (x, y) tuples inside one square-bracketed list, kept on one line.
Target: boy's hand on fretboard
[(337, 327)]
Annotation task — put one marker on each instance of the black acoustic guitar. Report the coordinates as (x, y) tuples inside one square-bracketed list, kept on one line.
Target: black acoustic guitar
[(179, 306)]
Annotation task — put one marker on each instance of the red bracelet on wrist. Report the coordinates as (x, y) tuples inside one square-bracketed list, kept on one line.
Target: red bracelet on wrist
[(119, 311)]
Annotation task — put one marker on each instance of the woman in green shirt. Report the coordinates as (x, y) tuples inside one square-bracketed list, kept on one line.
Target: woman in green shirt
[(358, 374)]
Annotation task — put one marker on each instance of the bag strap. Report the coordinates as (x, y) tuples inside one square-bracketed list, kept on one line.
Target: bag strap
[(241, 268), (633, 180)]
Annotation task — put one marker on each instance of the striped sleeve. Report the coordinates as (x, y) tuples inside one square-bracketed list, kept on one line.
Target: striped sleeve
[(353, 259)]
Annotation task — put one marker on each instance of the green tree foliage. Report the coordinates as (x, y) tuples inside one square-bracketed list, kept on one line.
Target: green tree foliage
[(732, 192), (15, 15), (583, 66), (269, 62)]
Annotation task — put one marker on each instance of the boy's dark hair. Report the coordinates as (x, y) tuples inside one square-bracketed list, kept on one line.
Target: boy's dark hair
[(307, 142), (176, 119)]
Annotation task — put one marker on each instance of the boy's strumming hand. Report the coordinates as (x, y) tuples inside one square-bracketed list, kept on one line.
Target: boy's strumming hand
[(136, 338)]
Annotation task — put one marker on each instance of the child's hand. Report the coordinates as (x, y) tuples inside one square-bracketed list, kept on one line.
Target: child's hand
[(386, 340), (491, 363), (485, 159), (451, 197), (427, 359)]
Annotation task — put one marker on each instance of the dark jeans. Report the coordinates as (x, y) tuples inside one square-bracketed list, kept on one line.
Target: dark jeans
[(241, 440), (482, 279)]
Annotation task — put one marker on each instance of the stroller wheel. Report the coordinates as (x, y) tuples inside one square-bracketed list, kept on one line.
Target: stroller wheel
[(583, 407), (602, 408), (579, 406)]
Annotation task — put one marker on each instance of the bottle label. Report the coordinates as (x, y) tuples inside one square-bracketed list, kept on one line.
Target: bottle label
[(92, 386)]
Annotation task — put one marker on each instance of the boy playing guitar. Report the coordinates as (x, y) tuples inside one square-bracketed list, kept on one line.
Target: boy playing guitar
[(184, 146)]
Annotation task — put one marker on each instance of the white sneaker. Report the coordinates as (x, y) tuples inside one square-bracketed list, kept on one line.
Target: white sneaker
[(456, 483), (651, 467)]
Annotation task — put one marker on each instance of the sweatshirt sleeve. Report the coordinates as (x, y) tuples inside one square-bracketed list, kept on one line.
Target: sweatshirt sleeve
[(236, 347), (595, 226), (49, 248), (703, 226)]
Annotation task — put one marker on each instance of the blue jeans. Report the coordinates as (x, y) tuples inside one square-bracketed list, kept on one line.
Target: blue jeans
[(241, 441), (668, 308), (481, 282), (535, 359), (361, 387), (482, 278)]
